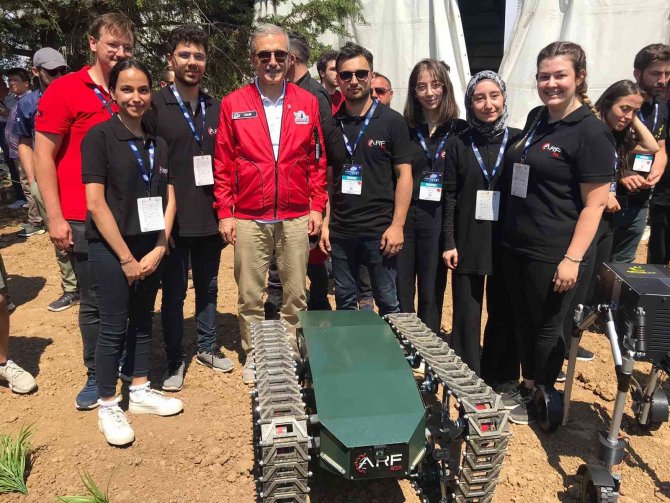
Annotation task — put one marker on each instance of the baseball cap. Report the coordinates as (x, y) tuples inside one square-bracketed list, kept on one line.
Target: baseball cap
[(48, 59)]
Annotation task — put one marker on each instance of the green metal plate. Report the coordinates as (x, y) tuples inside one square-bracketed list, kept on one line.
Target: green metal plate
[(364, 388)]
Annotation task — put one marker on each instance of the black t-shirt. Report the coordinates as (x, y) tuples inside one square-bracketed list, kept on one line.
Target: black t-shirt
[(107, 158), (384, 144), (328, 126), (655, 117), (661, 194), (577, 149), (474, 239), (196, 215)]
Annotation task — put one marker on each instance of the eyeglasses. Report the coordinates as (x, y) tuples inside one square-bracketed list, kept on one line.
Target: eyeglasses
[(423, 87), (200, 57), (345, 75), (265, 56), (379, 91), (114, 47), (61, 70)]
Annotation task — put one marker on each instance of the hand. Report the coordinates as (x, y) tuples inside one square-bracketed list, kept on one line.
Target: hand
[(132, 270), (170, 245), (653, 178), (565, 276), (612, 203), (314, 223), (632, 181), (228, 230), (324, 240), (61, 234), (392, 240), (149, 263), (450, 258)]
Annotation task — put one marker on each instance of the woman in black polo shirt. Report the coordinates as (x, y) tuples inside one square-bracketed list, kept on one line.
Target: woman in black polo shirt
[(131, 211), (472, 185), (561, 171), (432, 116)]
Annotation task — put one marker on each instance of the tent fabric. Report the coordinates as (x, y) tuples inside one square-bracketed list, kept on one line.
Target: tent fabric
[(399, 33), (610, 31)]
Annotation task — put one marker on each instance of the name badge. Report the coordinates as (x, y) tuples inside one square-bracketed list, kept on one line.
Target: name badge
[(150, 210), (430, 188), (244, 115), (202, 169), (352, 179), (520, 179), (643, 163), (488, 205)]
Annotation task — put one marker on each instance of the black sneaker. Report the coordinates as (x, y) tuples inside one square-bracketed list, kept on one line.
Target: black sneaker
[(517, 396), (585, 355), (273, 303), (87, 398), (524, 413), (561, 377), (505, 387), (65, 301)]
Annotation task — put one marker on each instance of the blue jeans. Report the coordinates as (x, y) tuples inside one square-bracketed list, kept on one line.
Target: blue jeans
[(205, 253), (628, 226), (347, 255)]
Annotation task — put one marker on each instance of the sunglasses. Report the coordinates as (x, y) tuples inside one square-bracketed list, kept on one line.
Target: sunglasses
[(56, 71), (265, 56), (345, 75), (379, 91)]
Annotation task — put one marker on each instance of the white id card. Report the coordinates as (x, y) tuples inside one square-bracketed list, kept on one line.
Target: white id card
[(150, 210), (352, 179), (643, 163), (430, 188), (202, 169), (488, 205), (520, 179)]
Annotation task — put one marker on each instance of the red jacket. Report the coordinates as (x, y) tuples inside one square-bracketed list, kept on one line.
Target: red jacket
[(248, 182)]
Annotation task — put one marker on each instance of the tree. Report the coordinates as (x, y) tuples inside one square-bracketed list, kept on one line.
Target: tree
[(26, 25)]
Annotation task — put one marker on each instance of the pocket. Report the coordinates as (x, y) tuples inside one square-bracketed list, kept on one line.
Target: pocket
[(297, 183), (248, 186)]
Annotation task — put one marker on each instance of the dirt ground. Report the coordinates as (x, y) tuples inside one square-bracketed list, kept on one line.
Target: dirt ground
[(205, 454)]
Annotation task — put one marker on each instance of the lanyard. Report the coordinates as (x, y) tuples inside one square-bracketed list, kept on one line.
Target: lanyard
[(482, 166), (187, 115), (526, 145), (422, 141), (655, 118), (146, 178), (103, 100), (614, 177), (351, 149)]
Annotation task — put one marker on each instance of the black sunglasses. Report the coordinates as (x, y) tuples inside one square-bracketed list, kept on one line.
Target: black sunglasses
[(266, 56), (56, 71), (379, 91), (345, 75)]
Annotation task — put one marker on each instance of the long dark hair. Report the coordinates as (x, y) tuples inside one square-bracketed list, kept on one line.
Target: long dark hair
[(448, 108), (125, 65)]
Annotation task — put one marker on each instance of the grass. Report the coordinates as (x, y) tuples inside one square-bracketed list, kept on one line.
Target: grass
[(14, 455), (95, 494)]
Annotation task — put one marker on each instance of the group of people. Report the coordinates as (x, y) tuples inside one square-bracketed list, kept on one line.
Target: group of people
[(296, 175)]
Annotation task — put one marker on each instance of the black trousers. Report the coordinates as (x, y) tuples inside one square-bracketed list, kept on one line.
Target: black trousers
[(539, 313), (659, 239), (420, 266)]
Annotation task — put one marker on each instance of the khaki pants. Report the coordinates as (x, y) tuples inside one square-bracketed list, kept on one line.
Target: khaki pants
[(67, 278), (34, 216), (253, 250)]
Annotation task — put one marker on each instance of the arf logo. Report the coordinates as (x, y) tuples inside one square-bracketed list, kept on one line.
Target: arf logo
[(555, 151), (392, 462), (443, 154), (211, 131), (377, 143)]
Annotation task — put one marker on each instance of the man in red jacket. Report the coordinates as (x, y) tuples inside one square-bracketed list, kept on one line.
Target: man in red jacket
[(269, 182)]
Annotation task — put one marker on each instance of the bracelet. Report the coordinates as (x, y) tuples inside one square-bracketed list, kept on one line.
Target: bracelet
[(574, 260), (124, 262)]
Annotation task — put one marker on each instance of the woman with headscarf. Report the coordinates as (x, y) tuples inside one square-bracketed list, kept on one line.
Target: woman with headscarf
[(472, 209)]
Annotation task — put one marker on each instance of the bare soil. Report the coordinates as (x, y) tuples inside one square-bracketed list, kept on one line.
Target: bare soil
[(205, 454)]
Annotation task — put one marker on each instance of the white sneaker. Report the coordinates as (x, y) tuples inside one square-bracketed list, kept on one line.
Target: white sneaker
[(144, 400), (19, 380), (113, 424)]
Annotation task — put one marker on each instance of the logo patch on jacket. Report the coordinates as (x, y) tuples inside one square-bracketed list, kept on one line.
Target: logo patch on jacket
[(377, 143), (163, 171), (244, 115), (211, 131), (555, 151), (300, 117)]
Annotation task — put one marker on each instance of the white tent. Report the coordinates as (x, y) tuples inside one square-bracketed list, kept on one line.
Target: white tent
[(610, 31)]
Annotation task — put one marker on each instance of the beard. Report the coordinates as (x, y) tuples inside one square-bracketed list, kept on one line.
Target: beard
[(189, 82)]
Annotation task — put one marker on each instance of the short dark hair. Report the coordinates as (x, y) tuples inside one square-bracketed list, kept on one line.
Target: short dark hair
[(115, 23), (22, 73), (651, 54), (125, 65), (298, 46), (377, 74), (189, 34), (324, 58), (350, 51)]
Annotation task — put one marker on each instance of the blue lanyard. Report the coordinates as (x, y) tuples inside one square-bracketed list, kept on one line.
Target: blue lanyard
[(482, 166), (655, 118), (526, 145), (146, 177), (351, 149), (187, 115), (422, 141), (104, 101)]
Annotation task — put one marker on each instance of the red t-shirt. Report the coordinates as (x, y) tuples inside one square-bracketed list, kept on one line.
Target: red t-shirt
[(337, 98), (70, 107)]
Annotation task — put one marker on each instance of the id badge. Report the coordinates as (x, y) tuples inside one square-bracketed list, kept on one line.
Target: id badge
[(488, 205), (202, 169), (352, 179), (150, 210), (643, 162), (430, 188), (520, 179)]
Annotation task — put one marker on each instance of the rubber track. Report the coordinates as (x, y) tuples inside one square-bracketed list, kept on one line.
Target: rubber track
[(488, 427), (280, 423)]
